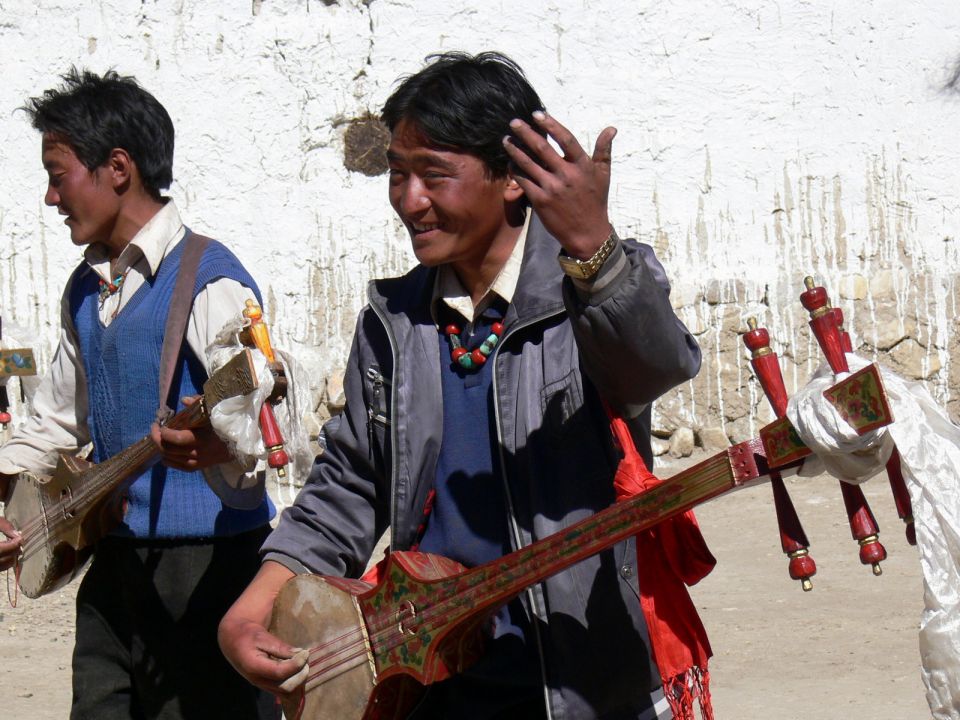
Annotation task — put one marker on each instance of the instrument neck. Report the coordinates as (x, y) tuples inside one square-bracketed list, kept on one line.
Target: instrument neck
[(104, 477), (490, 585)]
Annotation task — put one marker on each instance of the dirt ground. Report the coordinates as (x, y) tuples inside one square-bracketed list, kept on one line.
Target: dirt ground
[(848, 649)]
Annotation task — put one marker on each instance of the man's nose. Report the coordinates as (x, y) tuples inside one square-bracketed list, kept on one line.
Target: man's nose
[(414, 198), (52, 197)]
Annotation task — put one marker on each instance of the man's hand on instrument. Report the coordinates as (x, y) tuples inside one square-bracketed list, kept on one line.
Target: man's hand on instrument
[(190, 449), (262, 658), (9, 544), (9, 536), (569, 191)]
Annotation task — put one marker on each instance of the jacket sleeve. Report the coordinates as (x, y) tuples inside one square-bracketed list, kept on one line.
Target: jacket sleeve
[(343, 508), (632, 345)]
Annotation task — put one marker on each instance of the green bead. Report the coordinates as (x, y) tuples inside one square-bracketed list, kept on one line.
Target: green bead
[(466, 361)]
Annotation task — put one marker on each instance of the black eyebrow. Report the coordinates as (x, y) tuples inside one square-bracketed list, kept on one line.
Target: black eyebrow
[(423, 159)]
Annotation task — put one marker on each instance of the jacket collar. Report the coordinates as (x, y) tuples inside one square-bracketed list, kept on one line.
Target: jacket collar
[(538, 291)]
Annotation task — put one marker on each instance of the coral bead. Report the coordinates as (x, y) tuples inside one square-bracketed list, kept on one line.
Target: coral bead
[(478, 357), (497, 329), (452, 329), (5, 418), (458, 352)]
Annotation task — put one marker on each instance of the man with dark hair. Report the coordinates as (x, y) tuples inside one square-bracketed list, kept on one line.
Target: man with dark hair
[(476, 387), (149, 604)]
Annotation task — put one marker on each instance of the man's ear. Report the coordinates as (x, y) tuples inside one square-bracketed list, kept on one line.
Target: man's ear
[(121, 169), (512, 190)]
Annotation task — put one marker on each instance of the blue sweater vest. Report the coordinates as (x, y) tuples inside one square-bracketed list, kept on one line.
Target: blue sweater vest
[(468, 523), (122, 367)]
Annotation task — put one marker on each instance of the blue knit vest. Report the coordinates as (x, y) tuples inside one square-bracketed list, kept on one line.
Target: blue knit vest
[(468, 523), (122, 364)]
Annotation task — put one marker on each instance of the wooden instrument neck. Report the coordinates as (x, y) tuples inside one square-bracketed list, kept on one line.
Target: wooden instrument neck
[(479, 590), (100, 479)]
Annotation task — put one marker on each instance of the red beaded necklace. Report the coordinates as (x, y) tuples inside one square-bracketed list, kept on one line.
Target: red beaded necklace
[(108, 288), (472, 359)]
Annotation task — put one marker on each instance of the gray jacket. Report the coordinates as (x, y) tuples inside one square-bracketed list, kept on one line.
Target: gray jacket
[(563, 348)]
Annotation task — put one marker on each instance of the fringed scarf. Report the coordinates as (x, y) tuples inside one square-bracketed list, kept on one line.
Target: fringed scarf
[(670, 556)]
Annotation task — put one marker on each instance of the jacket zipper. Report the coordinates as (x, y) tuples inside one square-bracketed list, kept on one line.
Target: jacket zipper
[(532, 596), (393, 426), (378, 380), (374, 410)]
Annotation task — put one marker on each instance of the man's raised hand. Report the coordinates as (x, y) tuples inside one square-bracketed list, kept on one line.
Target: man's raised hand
[(569, 191)]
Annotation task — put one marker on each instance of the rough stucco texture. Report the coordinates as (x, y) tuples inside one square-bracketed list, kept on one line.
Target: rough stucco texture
[(758, 142)]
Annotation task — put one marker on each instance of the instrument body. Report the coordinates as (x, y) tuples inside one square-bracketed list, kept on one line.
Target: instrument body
[(60, 517), (47, 566), (342, 619)]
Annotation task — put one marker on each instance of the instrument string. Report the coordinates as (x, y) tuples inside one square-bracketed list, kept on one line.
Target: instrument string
[(60, 513), (110, 473), (331, 658), (385, 636)]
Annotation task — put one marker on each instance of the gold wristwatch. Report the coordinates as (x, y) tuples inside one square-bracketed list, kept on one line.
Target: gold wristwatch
[(586, 269)]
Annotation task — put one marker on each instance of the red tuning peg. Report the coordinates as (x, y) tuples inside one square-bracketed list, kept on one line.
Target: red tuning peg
[(793, 540), (901, 496), (259, 335), (823, 323)]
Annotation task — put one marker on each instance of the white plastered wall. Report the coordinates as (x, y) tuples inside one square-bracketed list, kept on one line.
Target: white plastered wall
[(758, 142)]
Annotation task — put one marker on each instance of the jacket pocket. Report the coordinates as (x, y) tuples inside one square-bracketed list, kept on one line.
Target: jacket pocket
[(560, 402), (575, 435)]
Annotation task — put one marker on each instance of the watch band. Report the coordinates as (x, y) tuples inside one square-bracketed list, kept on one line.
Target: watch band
[(586, 269)]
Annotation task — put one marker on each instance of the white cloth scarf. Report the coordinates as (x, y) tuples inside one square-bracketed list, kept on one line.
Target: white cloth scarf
[(929, 447)]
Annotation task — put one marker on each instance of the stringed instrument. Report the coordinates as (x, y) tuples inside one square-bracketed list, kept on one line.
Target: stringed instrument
[(61, 516), (373, 648)]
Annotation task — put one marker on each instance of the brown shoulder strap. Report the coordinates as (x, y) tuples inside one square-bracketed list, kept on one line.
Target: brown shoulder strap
[(177, 315)]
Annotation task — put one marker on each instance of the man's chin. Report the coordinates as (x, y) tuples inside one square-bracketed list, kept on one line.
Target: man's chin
[(428, 256), (428, 261), (80, 239)]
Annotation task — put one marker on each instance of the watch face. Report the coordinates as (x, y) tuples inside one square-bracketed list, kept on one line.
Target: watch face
[(588, 268), (572, 266)]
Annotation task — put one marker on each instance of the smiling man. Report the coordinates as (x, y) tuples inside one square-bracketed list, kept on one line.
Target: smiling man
[(149, 604), (475, 422)]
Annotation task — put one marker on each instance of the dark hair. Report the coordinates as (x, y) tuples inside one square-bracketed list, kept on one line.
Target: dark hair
[(465, 103), (95, 114)]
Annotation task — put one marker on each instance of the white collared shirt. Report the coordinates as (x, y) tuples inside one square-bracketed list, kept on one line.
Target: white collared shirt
[(60, 406), (448, 289)]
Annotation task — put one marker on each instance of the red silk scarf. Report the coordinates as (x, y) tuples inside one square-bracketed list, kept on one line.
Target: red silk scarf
[(670, 556)]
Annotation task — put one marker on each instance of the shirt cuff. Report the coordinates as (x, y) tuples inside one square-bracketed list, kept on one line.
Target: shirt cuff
[(8, 468)]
